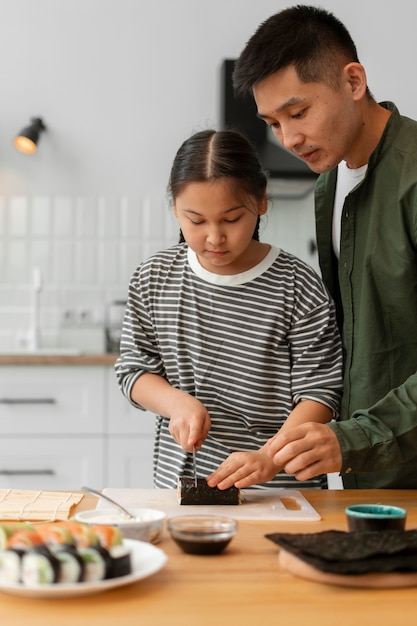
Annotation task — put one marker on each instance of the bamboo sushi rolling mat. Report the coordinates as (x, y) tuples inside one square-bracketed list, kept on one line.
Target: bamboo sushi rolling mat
[(32, 506)]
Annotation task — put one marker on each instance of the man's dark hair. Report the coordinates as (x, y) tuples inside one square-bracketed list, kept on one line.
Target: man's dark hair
[(310, 38)]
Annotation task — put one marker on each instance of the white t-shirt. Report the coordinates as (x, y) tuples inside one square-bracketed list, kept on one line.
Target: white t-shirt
[(347, 179)]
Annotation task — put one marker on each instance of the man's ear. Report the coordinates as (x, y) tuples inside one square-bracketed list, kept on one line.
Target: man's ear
[(355, 77)]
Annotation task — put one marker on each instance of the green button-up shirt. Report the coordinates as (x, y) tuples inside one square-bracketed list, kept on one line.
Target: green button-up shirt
[(374, 284)]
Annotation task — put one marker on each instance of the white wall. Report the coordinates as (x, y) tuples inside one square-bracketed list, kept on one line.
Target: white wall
[(120, 83)]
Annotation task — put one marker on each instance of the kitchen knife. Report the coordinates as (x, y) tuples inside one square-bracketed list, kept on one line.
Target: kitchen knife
[(194, 468)]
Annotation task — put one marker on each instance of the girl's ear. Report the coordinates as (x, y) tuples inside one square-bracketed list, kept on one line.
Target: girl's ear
[(263, 205), (174, 210)]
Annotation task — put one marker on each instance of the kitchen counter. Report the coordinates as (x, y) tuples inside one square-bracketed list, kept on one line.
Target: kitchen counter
[(245, 585), (58, 359)]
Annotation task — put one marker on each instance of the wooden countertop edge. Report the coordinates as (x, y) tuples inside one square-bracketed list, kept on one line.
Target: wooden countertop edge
[(58, 359)]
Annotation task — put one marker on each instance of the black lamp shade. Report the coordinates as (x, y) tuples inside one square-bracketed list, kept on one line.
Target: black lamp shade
[(26, 141)]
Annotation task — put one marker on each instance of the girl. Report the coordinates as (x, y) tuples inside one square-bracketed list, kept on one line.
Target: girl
[(226, 339)]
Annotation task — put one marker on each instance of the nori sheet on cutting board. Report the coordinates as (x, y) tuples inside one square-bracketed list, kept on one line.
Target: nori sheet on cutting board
[(357, 552)]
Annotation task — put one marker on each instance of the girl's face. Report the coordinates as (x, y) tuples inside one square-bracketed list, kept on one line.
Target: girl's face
[(219, 227)]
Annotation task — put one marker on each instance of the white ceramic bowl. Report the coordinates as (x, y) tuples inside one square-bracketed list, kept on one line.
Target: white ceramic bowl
[(147, 525)]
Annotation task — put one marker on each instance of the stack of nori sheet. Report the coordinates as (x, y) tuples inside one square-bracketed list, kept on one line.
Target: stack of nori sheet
[(358, 552)]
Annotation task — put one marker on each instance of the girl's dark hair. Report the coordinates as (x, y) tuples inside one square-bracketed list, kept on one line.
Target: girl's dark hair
[(211, 155), (310, 38)]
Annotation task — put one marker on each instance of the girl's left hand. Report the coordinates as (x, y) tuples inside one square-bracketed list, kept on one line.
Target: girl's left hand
[(243, 469)]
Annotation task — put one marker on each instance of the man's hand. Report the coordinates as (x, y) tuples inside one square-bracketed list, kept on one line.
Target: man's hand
[(306, 450)]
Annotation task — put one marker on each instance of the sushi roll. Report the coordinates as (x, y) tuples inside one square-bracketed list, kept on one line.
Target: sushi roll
[(96, 563), (24, 540), (120, 561), (10, 565), (107, 535), (82, 534), (188, 493), (71, 565), (54, 534), (39, 567), (8, 529)]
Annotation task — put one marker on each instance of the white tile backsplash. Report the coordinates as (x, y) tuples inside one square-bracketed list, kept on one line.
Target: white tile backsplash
[(18, 217), (108, 262), (62, 262), (63, 216), (41, 217), (87, 249), (109, 218), (3, 215), (86, 210)]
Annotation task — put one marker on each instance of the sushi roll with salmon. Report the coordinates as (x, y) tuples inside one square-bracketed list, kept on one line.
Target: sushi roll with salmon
[(54, 534), (108, 536), (24, 540), (63, 552), (9, 528), (82, 534)]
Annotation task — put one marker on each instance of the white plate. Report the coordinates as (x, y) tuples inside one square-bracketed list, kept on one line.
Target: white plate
[(146, 560)]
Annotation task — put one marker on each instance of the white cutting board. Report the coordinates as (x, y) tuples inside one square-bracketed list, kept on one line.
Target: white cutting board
[(267, 504)]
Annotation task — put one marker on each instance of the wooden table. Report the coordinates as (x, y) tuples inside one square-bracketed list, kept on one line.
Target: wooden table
[(243, 586)]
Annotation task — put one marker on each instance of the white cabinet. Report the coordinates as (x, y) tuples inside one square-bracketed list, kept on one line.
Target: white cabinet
[(58, 400), (123, 417), (130, 462), (51, 462), (65, 426), (130, 441)]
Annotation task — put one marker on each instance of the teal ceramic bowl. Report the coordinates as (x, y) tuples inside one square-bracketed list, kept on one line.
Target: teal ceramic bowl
[(375, 517)]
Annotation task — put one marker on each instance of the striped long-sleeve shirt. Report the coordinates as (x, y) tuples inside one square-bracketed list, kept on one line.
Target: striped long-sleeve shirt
[(248, 346)]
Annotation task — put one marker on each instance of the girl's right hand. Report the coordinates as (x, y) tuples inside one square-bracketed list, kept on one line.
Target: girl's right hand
[(189, 422)]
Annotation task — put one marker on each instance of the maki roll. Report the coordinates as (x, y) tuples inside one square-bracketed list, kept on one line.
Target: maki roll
[(67, 552), (120, 562), (71, 565), (188, 493), (10, 565), (96, 563), (39, 567)]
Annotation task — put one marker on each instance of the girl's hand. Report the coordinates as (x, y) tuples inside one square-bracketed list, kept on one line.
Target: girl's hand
[(189, 421), (243, 469)]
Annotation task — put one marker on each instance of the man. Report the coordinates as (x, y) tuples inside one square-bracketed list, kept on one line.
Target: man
[(303, 70)]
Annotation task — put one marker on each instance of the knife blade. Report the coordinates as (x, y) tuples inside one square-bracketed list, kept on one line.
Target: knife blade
[(194, 467)]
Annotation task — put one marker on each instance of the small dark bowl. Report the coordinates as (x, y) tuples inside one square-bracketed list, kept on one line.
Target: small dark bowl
[(202, 534), (375, 517)]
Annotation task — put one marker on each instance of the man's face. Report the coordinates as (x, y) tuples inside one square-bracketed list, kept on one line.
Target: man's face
[(318, 123)]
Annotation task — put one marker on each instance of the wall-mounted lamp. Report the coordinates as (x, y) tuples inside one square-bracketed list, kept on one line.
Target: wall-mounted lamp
[(26, 141)]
